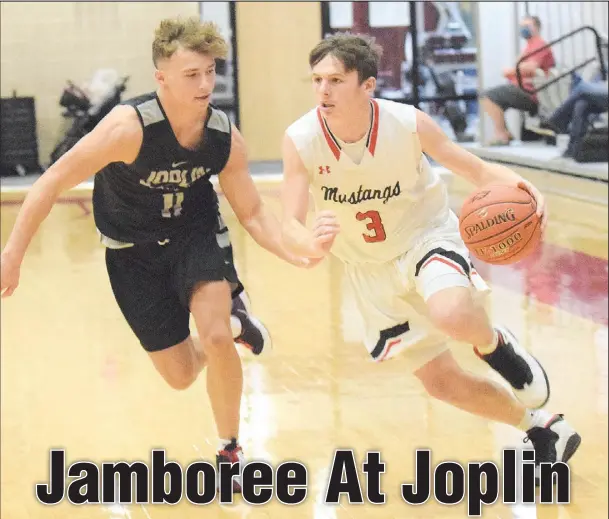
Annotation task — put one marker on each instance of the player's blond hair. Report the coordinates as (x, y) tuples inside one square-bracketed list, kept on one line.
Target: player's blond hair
[(355, 51), (190, 33)]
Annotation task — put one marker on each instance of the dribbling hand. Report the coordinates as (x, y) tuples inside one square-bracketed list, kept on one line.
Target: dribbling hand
[(540, 201), (324, 231)]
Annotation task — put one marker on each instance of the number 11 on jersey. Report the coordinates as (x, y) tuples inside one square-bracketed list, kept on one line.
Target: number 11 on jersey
[(375, 224), (172, 204)]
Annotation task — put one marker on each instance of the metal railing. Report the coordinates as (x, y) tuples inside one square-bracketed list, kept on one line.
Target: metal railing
[(599, 57)]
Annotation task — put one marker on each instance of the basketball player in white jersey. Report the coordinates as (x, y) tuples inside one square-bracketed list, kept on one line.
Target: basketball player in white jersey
[(384, 213)]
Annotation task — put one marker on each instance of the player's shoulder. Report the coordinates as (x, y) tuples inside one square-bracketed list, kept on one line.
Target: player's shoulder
[(304, 130), (401, 113), (219, 121), (123, 122), (304, 125), (119, 135), (145, 108)]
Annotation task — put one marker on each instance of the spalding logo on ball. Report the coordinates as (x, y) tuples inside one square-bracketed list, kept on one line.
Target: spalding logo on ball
[(499, 224)]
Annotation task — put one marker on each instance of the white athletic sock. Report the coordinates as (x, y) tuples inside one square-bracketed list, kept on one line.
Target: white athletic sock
[(534, 418), (490, 348), (235, 325)]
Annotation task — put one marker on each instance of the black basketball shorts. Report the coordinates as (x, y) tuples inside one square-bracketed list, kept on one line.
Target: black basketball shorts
[(153, 282)]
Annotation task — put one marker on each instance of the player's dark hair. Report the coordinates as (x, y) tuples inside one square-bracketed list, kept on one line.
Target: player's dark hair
[(355, 51)]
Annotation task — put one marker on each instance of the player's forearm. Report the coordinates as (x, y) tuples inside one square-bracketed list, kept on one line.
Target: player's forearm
[(496, 174), (297, 238), (265, 229), (35, 208)]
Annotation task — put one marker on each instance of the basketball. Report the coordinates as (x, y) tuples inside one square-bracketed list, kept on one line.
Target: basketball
[(498, 224)]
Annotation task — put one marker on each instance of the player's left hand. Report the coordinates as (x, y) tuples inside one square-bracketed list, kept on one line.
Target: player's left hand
[(324, 231), (539, 199)]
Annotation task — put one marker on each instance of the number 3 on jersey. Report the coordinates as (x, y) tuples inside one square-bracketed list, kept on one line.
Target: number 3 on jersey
[(375, 224), (172, 204)]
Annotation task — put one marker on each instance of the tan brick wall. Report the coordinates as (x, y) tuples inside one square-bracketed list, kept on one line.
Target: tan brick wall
[(46, 43)]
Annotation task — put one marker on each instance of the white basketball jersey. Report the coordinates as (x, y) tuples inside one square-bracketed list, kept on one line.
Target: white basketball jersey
[(384, 202)]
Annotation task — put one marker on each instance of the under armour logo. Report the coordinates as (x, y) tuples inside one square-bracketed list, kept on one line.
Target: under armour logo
[(324, 169)]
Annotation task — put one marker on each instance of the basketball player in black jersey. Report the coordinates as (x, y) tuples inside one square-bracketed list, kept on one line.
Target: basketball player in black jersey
[(168, 252)]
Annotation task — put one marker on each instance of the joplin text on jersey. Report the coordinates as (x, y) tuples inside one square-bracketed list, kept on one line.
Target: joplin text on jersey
[(361, 195), (181, 177)]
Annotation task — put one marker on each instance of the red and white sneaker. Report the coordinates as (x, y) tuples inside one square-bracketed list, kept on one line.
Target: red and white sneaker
[(520, 369), (233, 454), (555, 441)]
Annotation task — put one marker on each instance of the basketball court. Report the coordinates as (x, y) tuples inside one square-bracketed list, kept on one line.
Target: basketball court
[(74, 377)]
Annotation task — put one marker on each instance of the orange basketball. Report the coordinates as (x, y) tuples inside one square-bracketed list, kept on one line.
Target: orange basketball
[(498, 224)]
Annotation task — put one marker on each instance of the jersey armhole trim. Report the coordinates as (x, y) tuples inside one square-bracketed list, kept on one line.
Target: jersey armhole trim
[(230, 143), (139, 152)]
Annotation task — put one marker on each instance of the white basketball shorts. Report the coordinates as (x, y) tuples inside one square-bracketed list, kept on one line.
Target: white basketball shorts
[(391, 297)]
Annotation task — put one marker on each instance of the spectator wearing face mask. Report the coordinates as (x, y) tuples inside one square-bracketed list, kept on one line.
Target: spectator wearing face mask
[(497, 100)]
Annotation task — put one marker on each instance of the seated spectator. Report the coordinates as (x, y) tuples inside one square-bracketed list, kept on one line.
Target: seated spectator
[(497, 100), (586, 99)]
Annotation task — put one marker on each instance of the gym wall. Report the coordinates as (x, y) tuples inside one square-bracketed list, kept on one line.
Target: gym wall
[(273, 43), (46, 43)]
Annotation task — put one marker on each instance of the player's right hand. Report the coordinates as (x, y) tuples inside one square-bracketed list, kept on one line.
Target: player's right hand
[(9, 275), (325, 228)]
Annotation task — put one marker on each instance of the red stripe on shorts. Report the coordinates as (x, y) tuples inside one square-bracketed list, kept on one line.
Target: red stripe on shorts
[(446, 261)]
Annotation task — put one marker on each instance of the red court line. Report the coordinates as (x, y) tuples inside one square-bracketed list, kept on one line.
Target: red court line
[(557, 276)]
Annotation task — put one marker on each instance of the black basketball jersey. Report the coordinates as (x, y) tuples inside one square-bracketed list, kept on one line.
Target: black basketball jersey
[(167, 189)]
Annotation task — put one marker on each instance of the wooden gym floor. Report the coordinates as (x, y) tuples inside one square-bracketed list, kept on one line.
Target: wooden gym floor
[(74, 377)]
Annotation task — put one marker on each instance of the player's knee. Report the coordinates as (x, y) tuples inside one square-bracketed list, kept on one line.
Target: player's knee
[(180, 377), (181, 383), (217, 340), (454, 312), (178, 364)]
